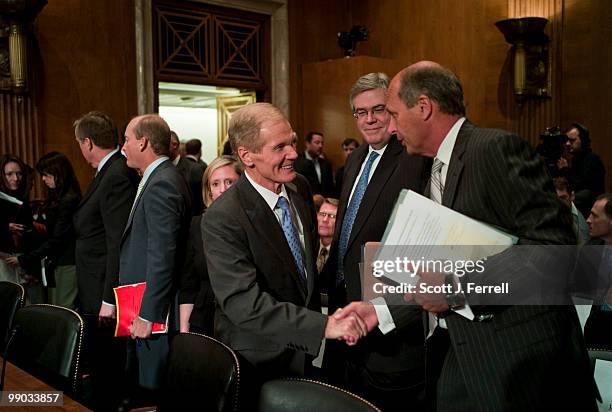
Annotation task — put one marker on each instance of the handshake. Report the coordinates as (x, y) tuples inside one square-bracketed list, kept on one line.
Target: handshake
[(352, 322)]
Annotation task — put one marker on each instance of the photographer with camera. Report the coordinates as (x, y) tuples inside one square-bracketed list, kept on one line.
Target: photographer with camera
[(583, 168)]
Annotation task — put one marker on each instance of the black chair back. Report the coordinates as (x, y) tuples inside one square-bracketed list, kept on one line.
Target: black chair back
[(11, 299), (48, 345), (304, 395), (203, 374)]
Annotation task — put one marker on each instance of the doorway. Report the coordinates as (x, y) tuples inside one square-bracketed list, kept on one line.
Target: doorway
[(201, 112)]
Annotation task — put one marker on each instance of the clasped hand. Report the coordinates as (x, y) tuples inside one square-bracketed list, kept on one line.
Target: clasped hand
[(352, 322)]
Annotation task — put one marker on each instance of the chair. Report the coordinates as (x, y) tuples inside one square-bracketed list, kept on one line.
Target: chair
[(48, 345), (11, 299), (305, 395), (202, 373)]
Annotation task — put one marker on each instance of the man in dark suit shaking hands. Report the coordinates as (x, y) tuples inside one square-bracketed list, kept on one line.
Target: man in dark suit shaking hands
[(509, 358), (152, 246), (260, 242), (385, 369), (99, 222)]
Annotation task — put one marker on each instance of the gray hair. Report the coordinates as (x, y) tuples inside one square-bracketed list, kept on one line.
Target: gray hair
[(246, 122), (367, 82), (438, 83)]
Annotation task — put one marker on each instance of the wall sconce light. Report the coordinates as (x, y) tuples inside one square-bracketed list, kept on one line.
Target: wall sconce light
[(531, 68), (15, 17)]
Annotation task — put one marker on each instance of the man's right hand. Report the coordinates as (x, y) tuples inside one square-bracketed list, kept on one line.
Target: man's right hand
[(107, 315), (350, 328)]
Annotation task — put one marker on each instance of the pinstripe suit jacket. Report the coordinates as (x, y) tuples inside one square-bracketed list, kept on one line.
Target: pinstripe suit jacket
[(525, 357)]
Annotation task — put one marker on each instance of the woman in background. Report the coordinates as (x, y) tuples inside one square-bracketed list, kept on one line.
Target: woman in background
[(63, 197), (196, 298), (15, 212)]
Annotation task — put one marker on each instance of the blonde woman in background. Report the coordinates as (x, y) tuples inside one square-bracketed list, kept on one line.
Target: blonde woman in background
[(196, 298)]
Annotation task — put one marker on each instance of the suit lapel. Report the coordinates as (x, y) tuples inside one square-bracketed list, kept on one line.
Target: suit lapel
[(266, 224), (160, 167), (455, 168), (305, 218), (98, 178), (383, 171), (351, 173)]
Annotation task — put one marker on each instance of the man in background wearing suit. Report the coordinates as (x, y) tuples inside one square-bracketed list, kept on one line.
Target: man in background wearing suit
[(193, 151), (499, 357), (99, 222), (314, 167), (260, 242), (152, 246), (385, 369), (192, 171)]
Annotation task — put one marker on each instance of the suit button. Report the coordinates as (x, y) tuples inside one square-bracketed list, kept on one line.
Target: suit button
[(484, 318)]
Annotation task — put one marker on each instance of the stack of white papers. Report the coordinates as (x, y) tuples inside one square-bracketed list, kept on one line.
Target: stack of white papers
[(419, 222)]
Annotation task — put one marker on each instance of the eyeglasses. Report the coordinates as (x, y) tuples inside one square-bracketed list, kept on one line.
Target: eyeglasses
[(376, 111), (325, 214)]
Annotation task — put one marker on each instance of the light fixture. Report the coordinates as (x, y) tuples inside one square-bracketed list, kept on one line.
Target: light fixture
[(531, 57), (15, 19)]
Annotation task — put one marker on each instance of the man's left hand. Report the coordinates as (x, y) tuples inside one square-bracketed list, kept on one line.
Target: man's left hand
[(140, 329), (430, 301)]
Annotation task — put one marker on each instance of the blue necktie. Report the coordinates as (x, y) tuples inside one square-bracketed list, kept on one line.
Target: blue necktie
[(292, 238), (351, 214)]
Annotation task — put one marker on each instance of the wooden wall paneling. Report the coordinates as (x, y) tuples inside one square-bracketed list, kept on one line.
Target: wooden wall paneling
[(313, 28), (325, 99), (19, 128), (87, 62), (458, 34), (587, 74)]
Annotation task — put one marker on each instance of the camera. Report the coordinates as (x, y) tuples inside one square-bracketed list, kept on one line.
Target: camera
[(551, 148)]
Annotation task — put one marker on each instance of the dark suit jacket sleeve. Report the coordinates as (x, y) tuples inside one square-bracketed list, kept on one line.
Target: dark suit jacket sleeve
[(163, 207), (517, 194), (115, 205), (233, 277), (190, 280)]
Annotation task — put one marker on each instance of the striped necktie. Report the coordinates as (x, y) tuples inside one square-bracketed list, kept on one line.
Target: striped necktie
[(436, 188)]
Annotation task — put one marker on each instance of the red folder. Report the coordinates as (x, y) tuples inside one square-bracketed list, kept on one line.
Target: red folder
[(128, 299)]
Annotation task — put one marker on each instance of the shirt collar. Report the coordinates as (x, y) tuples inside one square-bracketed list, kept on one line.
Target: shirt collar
[(308, 156), (379, 151), (105, 159), (151, 168), (176, 160), (448, 144), (269, 196)]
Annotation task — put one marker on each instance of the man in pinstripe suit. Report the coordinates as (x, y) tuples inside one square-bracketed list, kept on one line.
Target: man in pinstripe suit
[(498, 358)]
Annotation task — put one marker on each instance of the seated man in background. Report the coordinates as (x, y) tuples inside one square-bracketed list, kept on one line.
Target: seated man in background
[(598, 328), (326, 220), (566, 195)]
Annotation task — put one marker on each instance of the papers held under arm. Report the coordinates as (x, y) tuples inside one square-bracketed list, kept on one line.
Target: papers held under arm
[(10, 199), (423, 225)]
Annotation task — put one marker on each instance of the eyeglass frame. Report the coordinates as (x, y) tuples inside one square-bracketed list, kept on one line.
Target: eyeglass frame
[(328, 215), (377, 110)]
